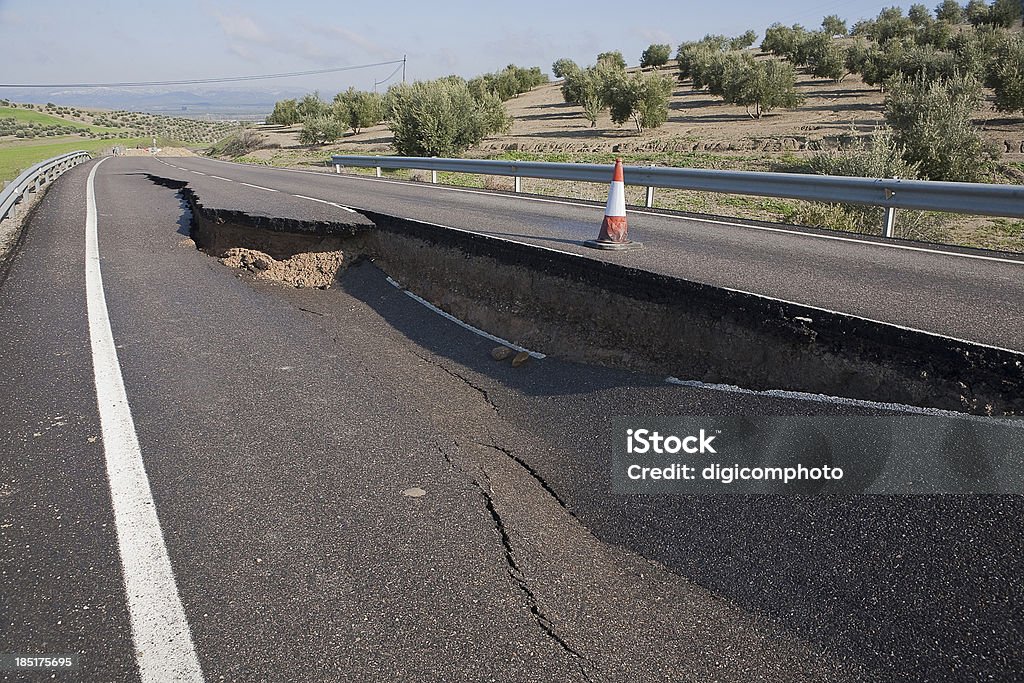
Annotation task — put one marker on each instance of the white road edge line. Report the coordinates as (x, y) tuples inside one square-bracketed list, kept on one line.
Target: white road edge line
[(475, 330), (763, 228), (164, 650), (840, 400)]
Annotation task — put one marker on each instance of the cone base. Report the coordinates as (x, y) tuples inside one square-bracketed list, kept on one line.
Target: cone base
[(612, 246)]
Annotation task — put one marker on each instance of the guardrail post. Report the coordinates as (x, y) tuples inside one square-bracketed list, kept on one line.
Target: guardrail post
[(518, 185), (889, 222), (433, 177), (337, 168), (378, 171), (650, 194)]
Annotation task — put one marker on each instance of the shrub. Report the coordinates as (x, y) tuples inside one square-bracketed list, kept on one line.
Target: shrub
[(311, 106), (563, 66), (319, 130), (766, 86), (950, 11), (977, 12), (286, 113), (919, 15), (743, 41), (829, 62), (931, 120), (358, 109), (442, 118), (833, 25), (882, 157), (508, 83), (239, 144), (1004, 13), (1007, 75), (640, 97), (655, 55), (588, 88), (613, 58)]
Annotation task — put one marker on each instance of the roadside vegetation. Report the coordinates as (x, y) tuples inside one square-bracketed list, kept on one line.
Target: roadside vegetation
[(932, 93)]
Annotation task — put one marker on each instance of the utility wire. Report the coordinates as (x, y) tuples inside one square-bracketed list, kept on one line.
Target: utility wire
[(397, 69), (196, 81)]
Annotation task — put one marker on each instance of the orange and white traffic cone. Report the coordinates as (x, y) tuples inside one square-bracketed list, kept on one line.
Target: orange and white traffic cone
[(613, 228)]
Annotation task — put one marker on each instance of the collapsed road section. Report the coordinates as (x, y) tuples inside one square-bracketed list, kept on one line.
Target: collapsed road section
[(593, 311)]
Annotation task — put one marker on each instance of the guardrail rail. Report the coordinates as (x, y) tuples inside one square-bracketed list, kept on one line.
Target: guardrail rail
[(35, 177), (888, 193)]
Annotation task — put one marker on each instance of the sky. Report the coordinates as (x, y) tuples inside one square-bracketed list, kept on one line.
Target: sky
[(44, 41)]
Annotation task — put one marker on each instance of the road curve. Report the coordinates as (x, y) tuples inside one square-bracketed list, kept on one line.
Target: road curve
[(349, 488)]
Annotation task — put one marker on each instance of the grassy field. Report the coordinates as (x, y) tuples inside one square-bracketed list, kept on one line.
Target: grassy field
[(16, 157)]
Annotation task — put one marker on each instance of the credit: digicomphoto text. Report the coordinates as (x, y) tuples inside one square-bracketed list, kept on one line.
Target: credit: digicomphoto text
[(816, 455)]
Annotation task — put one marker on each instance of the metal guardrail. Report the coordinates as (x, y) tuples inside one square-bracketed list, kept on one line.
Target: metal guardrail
[(35, 177), (888, 193)]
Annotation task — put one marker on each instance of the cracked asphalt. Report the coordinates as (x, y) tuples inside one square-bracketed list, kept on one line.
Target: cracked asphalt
[(282, 430)]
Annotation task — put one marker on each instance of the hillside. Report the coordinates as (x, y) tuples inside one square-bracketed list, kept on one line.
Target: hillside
[(30, 133)]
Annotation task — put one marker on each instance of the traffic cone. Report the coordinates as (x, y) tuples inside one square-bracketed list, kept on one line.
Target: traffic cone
[(613, 228)]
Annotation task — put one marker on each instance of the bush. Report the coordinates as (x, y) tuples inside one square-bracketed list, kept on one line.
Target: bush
[(655, 55), (508, 83), (833, 25), (950, 11), (743, 41), (783, 40), (563, 66), (640, 97), (311, 106), (883, 157), (613, 58), (919, 15), (587, 89), (286, 113), (358, 109), (931, 120), (442, 118), (319, 130), (1004, 13), (763, 85), (1007, 75), (829, 62), (238, 145)]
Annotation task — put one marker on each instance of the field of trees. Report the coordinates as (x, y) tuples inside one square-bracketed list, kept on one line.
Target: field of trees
[(30, 133), (931, 93)]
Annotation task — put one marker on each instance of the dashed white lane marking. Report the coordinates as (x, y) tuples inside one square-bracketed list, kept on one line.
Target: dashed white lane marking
[(324, 201), (536, 354), (227, 180), (198, 172), (258, 187), (163, 642), (763, 228)]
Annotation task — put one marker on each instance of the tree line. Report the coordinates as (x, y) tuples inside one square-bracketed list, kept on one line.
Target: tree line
[(441, 117)]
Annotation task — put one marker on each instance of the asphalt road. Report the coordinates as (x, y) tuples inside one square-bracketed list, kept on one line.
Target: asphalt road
[(973, 295), (284, 430)]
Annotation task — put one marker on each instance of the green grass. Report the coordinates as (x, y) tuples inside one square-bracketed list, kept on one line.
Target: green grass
[(15, 158), (31, 116)]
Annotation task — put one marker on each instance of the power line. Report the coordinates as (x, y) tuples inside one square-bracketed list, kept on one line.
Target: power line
[(397, 69), (197, 81)]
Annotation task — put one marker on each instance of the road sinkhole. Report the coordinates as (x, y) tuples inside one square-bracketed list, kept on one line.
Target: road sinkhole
[(586, 310)]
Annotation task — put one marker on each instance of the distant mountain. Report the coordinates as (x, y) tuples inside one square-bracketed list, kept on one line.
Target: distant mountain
[(229, 103)]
